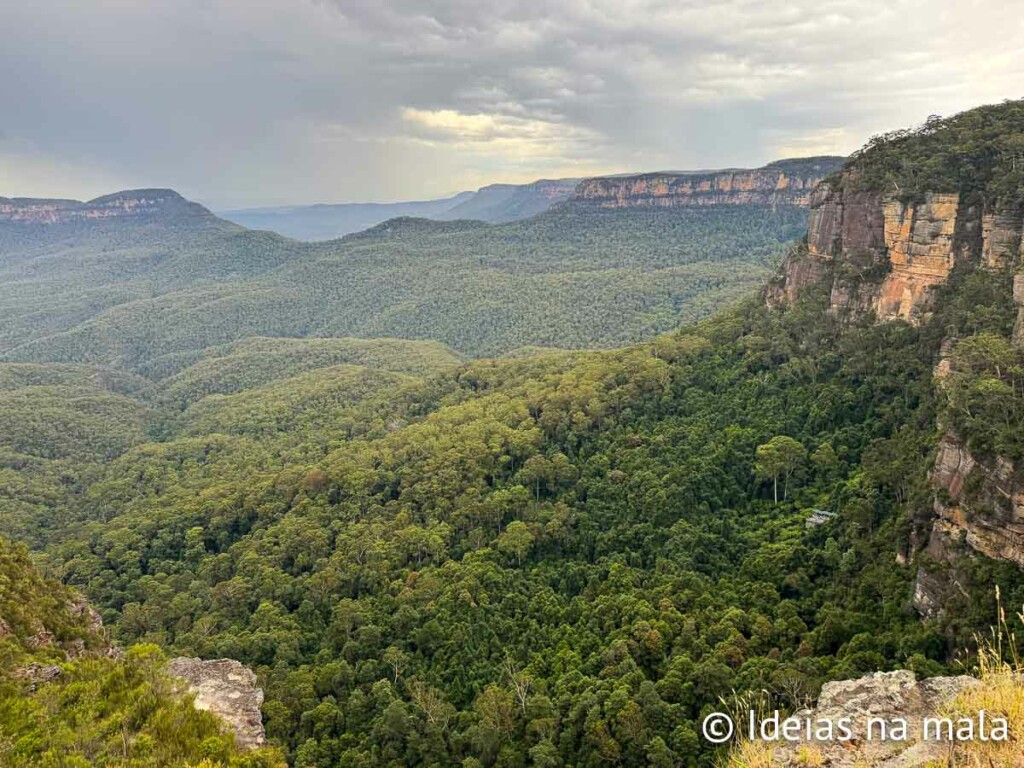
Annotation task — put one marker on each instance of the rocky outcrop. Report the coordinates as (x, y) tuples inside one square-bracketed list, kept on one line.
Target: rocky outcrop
[(139, 203), (979, 510), (785, 182), (36, 674), (991, 516), (919, 240), (1001, 238), (1018, 299), (227, 689), (884, 695)]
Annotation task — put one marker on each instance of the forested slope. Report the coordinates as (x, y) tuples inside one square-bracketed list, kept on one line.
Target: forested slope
[(68, 699), (557, 559), (131, 293)]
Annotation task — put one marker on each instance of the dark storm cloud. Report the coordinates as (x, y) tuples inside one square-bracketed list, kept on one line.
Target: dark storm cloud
[(240, 102)]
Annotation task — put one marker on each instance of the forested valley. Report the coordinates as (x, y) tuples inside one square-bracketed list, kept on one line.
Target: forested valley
[(430, 557)]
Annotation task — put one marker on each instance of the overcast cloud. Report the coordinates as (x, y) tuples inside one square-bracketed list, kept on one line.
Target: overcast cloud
[(248, 102)]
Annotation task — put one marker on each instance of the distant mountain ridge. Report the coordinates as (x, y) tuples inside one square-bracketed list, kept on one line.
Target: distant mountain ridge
[(783, 182), (495, 204), (125, 204), (498, 203), (326, 221)]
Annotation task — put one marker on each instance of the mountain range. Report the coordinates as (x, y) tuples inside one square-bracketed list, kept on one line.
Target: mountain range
[(783, 181), (784, 449), (145, 279)]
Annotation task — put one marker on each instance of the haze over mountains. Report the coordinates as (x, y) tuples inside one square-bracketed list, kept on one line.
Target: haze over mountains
[(498, 203), (140, 278), (493, 203)]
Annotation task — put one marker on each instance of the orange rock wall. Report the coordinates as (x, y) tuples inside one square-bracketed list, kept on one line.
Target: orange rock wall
[(757, 187)]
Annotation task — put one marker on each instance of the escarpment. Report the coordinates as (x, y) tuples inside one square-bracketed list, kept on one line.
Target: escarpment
[(978, 510), (884, 255), (898, 222), (876, 256), (785, 182)]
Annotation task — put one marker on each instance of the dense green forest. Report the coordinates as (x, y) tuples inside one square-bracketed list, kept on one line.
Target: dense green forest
[(150, 294), (66, 701), (554, 560), (557, 559), (978, 153)]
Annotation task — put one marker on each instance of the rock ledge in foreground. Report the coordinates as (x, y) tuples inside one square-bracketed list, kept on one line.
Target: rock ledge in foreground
[(227, 689), (886, 695)]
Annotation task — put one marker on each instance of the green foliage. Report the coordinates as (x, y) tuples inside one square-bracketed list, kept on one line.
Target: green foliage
[(566, 556), (256, 361), (33, 611), (978, 153), (780, 456), (97, 710), (119, 713), (567, 278)]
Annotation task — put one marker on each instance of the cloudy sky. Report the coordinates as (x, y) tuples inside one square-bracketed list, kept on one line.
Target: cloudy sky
[(250, 102)]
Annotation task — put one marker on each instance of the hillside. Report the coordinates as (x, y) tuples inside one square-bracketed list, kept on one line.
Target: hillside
[(564, 278), (68, 698), (569, 558), (915, 212), (63, 262)]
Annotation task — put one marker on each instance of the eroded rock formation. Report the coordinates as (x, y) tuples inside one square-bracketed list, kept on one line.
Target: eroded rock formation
[(886, 256), (228, 690), (988, 520), (876, 255), (885, 695)]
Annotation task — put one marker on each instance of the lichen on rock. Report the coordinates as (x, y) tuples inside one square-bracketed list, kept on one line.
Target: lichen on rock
[(887, 696), (227, 689)]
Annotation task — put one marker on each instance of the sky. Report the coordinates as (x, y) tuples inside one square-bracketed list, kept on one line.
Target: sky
[(268, 102)]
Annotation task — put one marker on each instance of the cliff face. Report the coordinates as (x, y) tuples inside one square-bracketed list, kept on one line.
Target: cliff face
[(979, 509), (130, 204), (878, 256), (786, 182), (888, 255)]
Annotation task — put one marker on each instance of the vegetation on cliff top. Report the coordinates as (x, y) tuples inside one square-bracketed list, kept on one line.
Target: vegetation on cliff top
[(978, 153)]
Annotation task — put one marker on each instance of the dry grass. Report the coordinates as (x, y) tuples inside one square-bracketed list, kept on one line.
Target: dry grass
[(1001, 694), (751, 754), (809, 756)]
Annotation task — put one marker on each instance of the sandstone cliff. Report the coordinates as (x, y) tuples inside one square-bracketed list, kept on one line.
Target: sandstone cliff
[(885, 695), (785, 182), (883, 255), (979, 510)]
